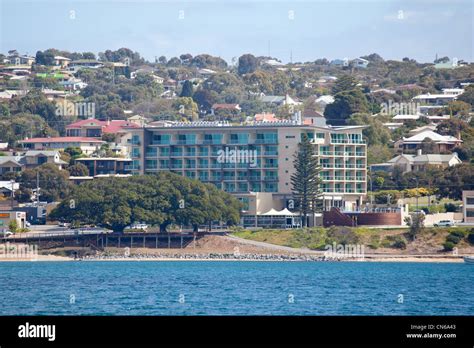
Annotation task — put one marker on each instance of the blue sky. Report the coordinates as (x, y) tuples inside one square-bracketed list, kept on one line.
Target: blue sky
[(417, 29)]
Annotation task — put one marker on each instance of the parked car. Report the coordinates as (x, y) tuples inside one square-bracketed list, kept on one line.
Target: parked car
[(64, 224), (4, 234), (444, 223)]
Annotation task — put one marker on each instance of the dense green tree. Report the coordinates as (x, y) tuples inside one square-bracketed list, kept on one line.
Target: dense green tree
[(54, 183), (78, 169), (187, 90), (159, 200), (248, 63), (305, 181), (344, 83), (345, 104)]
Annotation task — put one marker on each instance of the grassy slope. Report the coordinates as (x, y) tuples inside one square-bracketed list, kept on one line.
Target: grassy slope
[(379, 239)]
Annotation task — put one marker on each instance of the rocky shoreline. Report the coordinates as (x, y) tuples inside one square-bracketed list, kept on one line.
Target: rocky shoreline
[(208, 256)]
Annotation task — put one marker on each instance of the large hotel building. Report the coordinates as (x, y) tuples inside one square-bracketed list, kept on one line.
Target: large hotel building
[(255, 161)]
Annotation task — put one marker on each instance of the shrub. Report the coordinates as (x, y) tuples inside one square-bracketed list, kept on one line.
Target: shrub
[(459, 234), (448, 246), (451, 207), (397, 242), (453, 239), (470, 238)]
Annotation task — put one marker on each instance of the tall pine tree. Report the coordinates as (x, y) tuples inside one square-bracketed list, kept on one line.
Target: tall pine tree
[(306, 181)]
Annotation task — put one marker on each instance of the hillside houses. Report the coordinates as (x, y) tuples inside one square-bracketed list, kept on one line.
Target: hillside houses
[(443, 143), (416, 163)]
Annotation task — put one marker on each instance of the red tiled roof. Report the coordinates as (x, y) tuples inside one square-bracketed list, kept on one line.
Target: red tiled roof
[(117, 125), (80, 123), (62, 140), (226, 106), (266, 117), (112, 126)]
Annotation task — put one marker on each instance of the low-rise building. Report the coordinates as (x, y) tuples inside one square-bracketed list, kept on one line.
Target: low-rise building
[(95, 128), (443, 142), (106, 165), (417, 163), (87, 145), (7, 216), (468, 206)]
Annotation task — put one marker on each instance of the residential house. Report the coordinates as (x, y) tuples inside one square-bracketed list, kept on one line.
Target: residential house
[(35, 158), (417, 163), (359, 63), (87, 145), (17, 59), (279, 100), (10, 164), (231, 108), (443, 142), (139, 120), (63, 62), (106, 165), (76, 65), (340, 62), (95, 128), (73, 84), (6, 188), (436, 99)]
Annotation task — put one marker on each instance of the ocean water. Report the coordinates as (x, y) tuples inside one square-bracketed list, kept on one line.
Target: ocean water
[(235, 288)]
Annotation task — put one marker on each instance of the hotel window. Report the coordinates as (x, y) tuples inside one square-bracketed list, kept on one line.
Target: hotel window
[(229, 187), (271, 163), (136, 152), (191, 151), (190, 164), (203, 163), (190, 174), (355, 138), (271, 150), (164, 164), (187, 139), (255, 187), (271, 187), (320, 135), (324, 162), (239, 138), (135, 139), (151, 152), (176, 164), (242, 187), (470, 200), (203, 151), (164, 151), (204, 176), (151, 164), (267, 138), (213, 139), (338, 138), (324, 150), (161, 139), (310, 135)]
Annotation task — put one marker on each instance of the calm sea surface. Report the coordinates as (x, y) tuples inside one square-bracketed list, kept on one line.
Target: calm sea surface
[(235, 288)]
